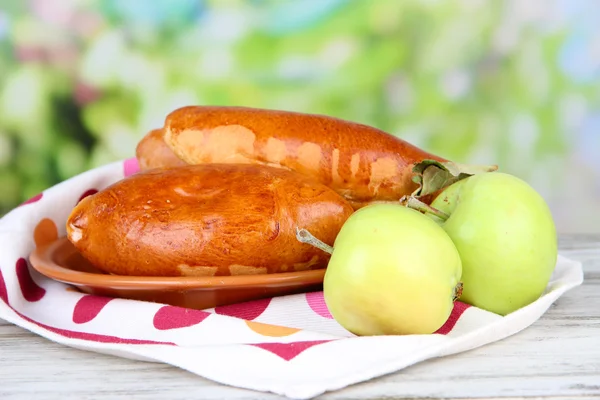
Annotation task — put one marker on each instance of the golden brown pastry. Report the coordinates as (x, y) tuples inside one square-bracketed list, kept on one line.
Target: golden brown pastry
[(207, 220), (153, 152), (361, 163)]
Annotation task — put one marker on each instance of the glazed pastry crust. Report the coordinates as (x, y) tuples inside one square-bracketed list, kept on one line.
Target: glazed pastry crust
[(207, 220)]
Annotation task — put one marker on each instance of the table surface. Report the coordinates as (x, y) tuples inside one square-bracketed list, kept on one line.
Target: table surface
[(558, 357)]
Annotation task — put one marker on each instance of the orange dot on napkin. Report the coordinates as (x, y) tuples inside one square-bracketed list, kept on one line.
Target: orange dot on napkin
[(45, 232), (271, 330)]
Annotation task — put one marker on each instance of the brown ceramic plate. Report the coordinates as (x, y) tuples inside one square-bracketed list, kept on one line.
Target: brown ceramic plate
[(61, 261)]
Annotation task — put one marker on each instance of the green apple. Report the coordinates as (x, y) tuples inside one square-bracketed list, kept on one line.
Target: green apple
[(506, 237), (392, 271)]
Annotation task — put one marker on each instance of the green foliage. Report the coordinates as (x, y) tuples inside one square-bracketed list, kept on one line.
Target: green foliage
[(465, 79)]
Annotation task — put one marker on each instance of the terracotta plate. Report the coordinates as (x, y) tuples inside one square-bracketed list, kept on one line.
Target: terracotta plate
[(61, 261)]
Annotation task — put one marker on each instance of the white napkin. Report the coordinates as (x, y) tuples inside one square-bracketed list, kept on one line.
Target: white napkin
[(287, 345)]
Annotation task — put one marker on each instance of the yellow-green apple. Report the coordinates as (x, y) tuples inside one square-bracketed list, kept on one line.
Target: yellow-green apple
[(392, 271), (506, 237)]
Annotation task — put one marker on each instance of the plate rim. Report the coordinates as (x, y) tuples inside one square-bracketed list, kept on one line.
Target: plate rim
[(41, 259)]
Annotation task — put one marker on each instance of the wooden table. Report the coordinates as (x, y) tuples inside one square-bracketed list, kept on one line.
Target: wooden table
[(556, 358)]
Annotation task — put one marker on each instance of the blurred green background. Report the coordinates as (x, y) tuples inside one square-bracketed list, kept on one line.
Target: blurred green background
[(508, 82)]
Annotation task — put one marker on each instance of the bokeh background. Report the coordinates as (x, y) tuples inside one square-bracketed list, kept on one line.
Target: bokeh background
[(515, 83)]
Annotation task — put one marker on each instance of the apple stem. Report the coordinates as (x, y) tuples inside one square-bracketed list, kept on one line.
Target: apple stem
[(416, 204), (305, 236), (458, 289)]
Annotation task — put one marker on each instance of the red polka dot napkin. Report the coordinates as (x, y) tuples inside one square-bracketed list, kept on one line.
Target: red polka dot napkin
[(287, 345)]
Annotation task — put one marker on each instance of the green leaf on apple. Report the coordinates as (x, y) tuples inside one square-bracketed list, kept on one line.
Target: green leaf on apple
[(432, 175)]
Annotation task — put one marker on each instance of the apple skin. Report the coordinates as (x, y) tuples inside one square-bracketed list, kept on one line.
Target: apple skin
[(506, 237), (393, 271)]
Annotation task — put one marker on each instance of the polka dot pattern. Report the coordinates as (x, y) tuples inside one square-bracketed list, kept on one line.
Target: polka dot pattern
[(130, 167), (34, 199), (92, 337), (30, 290), (87, 193), (170, 317), (457, 311), (3, 291), (316, 301), (249, 310), (45, 232), (288, 351), (88, 307), (270, 330)]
